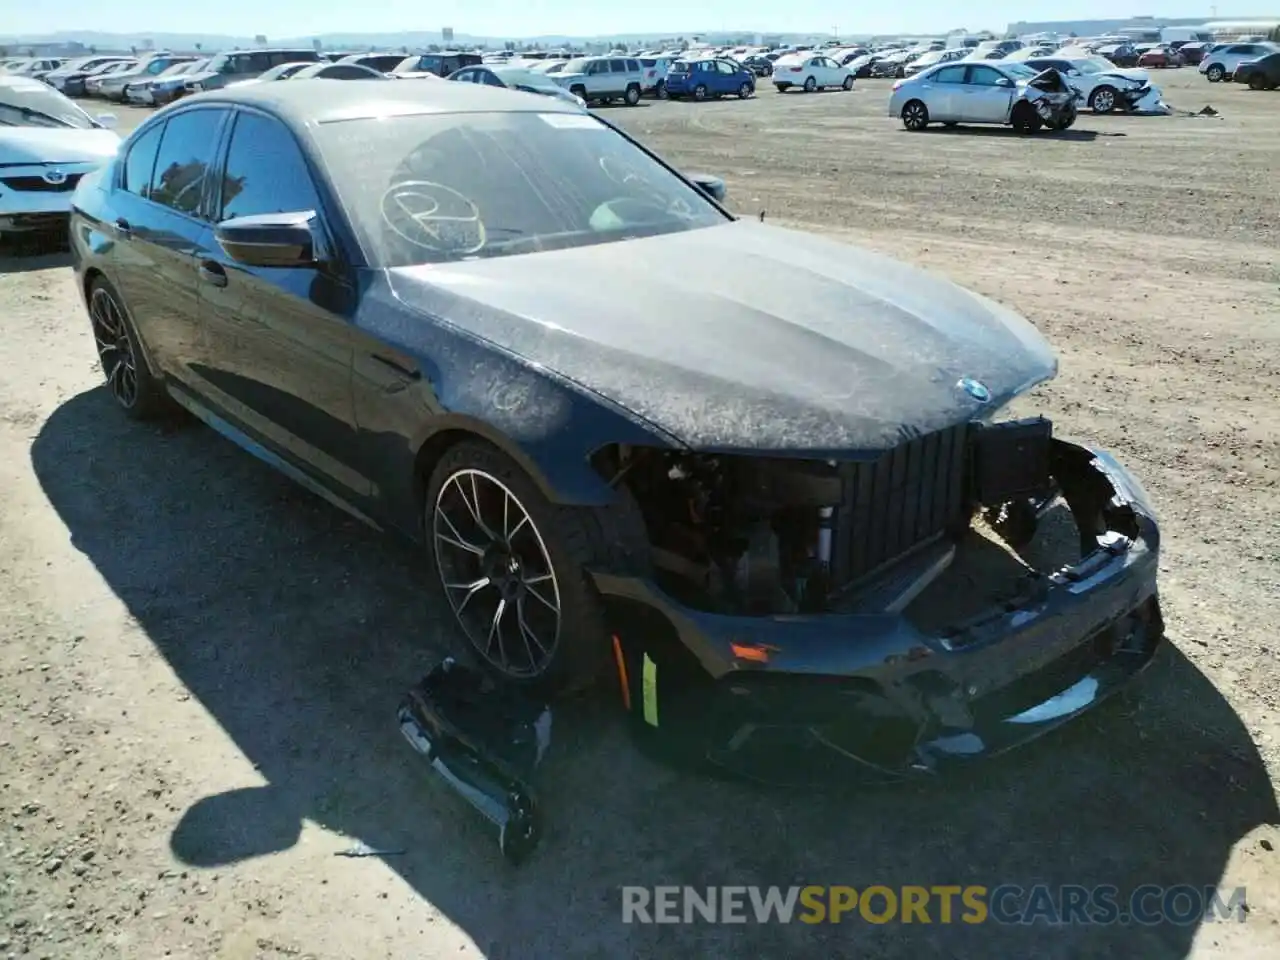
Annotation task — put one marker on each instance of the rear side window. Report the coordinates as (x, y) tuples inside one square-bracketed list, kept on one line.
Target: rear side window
[(140, 161), (618, 66), (633, 65), (183, 160), (266, 172)]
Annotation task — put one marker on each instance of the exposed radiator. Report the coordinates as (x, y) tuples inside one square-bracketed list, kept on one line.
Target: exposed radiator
[(891, 504)]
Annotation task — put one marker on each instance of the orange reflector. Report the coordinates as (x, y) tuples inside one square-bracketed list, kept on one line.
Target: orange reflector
[(622, 673), (756, 653)]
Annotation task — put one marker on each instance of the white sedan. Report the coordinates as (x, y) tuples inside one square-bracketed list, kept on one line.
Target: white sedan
[(47, 144), (810, 72)]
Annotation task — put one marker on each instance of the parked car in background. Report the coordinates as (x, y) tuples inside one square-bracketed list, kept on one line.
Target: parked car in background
[(810, 72), (655, 75), (1104, 86), (168, 89), (1260, 74), (759, 64), (548, 67), (236, 65), (78, 69), (147, 68), (139, 91), (933, 58), (1160, 57), (93, 83), (1221, 62), (604, 79), (515, 78), (709, 79), (342, 70), (1121, 54), (281, 71), (35, 68), (893, 65), (47, 143), (994, 91), (1193, 52), (436, 64), (381, 62)]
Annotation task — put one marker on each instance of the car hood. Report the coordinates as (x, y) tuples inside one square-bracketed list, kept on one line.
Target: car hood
[(56, 145), (1131, 73), (746, 336)]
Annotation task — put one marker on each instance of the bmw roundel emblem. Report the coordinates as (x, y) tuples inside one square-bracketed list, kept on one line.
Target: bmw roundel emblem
[(975, 388)]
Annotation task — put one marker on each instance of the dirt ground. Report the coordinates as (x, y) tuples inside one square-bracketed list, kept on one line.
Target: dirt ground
[(201, 663)]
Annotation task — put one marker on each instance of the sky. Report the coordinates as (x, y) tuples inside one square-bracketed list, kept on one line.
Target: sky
[(516, 18)]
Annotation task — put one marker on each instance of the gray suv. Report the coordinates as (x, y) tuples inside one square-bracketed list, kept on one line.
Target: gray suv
[(603, 79), (227, 68)]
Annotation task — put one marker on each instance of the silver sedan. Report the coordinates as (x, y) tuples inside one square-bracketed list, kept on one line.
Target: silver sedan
[(1002, 93)]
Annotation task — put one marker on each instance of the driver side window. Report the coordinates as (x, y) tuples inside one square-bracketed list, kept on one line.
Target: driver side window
[(265, 171), (984, 76)]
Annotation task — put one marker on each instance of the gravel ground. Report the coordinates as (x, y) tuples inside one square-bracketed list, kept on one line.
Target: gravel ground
[(201, 662)]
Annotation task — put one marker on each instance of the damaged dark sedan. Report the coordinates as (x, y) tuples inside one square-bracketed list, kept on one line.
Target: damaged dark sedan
[(617, 416)]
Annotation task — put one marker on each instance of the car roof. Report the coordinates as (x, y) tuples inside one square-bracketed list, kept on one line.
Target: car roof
[(303, 103)]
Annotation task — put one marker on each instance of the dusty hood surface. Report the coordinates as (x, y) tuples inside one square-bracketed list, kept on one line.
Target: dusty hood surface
[(56, 145), (746, 336)]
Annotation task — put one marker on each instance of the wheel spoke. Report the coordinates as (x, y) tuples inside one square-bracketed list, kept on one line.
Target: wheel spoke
[(457, 539), (554, 608), (495, 628), (472, 588), (527, 633)]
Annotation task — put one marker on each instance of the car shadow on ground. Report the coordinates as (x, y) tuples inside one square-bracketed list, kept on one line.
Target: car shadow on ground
[(22, 254), (298, 630), (1082, 136)]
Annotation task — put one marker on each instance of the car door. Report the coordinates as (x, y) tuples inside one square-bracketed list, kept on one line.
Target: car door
[(988, 96), (161, 231), (279, 359), (831, 70), (944, 92)]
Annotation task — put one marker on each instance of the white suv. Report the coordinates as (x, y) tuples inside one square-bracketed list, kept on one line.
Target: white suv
[(603, 79), (1221, 62)]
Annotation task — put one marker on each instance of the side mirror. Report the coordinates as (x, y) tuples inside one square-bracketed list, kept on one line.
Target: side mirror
[(108, 121), (713, 187), (1004, 82), (269, 239)]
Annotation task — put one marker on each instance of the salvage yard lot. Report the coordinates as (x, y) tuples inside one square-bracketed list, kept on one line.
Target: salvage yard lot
[(201, 662)]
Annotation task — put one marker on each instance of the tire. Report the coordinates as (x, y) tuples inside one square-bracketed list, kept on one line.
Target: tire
[(899, 73), (1104, 100), (578, 90), (535, 584), (1256, 82), (810, 85), (632, 95), (783, 87), (700, 92), (660, 91), (744, 91), (1215, 73), (129, 380), (848, 84), (1065, 122), (915, 115), (1025, 120)]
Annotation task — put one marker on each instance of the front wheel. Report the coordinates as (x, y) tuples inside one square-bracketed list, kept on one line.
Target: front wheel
[(810, 85), (744, 91), (511, 568), (915, 116), (848, 83), (1025, 119), (660, 91), (1103, 100)]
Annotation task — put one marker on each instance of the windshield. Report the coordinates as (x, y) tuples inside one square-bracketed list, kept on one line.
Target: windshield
[(435, 188), (576, 66), (1094, 65), (513, 76), (1020, 71), (29, 103)]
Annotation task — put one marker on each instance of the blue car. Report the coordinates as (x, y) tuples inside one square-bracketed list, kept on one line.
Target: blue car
[(710, 78)]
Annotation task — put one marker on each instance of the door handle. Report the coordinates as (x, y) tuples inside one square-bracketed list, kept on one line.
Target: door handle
[(405, 368), (211, 272), (122, 227)]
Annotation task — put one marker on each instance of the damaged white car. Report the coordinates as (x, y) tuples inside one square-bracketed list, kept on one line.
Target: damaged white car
[(1103, 86), (1011, 94)]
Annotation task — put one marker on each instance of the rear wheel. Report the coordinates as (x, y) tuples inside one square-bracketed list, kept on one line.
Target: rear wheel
[(783, 87), (129, 380), (915, 115), (700, 92), (660, 91), (632, 95), (578, 90), (1256, 82), (848, 83), (1215, 73), (744, 91), (511, 567)]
